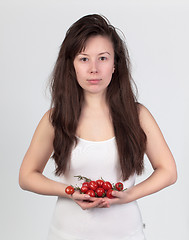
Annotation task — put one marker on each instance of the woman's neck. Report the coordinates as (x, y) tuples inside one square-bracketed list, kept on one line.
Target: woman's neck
[(95, 102)]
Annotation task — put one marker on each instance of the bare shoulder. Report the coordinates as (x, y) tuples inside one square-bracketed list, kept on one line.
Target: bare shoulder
[(156, 144), (44, 132), (45, 124), (143, 111), (47, 117), (146, 119)]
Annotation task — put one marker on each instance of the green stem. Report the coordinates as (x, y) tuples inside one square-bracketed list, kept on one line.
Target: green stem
[(102, 179)]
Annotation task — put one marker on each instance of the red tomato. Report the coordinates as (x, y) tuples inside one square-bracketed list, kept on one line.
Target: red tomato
[(100, 182), (84, 189), (91, 193), (86, 184), (69, 190), (109, 193), (119, 186), (93, 185), (107, 186), (100, 192)]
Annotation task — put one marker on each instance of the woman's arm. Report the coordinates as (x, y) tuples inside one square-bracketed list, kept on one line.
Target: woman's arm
[(35, 160), (161, 159), (31, 176)]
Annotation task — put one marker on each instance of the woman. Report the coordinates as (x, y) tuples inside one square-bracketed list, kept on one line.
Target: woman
[(96, 128)]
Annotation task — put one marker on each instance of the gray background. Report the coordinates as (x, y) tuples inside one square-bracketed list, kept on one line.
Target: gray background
[(31, 32)]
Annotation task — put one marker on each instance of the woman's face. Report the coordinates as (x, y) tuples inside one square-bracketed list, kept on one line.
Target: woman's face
[(94, 66)]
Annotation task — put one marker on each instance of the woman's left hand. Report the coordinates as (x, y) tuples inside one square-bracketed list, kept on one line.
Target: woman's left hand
[(118, 198)]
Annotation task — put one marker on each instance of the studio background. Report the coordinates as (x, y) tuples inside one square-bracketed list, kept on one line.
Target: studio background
[(157, 36)]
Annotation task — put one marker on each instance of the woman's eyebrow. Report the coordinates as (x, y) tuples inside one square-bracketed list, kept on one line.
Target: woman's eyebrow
[(104, 53), (82, 54), (85, 54)]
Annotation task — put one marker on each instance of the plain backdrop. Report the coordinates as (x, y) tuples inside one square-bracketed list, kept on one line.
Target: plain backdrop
[(31, 32)]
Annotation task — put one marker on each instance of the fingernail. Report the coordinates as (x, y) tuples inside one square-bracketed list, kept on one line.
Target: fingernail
[(87, 196)]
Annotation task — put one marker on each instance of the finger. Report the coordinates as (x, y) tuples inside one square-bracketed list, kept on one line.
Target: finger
[(116, 194), (104, 205), (114, 201), (117, 198), (80, 196), (89, 204), (94, 203)]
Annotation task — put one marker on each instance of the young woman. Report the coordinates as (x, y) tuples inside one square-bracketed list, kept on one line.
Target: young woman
[(96, 128)]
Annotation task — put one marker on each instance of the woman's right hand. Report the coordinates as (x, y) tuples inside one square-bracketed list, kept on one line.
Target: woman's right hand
[(87, 202)]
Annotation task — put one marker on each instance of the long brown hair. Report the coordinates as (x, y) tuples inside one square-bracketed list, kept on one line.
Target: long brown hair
[(68, 98)]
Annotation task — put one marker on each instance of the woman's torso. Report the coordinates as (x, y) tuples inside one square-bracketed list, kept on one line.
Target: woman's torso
[(95, 156)]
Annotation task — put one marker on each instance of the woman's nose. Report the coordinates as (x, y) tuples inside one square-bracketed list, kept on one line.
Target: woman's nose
[(93, 67)]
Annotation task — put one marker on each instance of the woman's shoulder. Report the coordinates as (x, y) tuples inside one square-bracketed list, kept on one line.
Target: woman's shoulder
[(145, 117), (143, 111), (45, 124), (47, 117)]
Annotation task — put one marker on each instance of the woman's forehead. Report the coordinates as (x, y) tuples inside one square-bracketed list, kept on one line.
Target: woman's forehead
[(100, 44)]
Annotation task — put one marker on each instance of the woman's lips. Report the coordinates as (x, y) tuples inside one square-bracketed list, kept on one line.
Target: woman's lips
[(94, 80)]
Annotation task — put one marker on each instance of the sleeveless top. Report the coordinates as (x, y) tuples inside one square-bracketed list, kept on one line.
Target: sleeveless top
[(119, 222)]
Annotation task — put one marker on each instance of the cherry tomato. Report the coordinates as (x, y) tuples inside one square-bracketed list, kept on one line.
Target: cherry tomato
[(100, 192), (69, 190), (109, 193), (91, 193), (100, 182), (107, 186), (86, 184), (119, 186), (93, 185), (84, 189)]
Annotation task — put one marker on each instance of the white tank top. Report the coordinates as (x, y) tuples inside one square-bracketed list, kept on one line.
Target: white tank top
[(119, 222)]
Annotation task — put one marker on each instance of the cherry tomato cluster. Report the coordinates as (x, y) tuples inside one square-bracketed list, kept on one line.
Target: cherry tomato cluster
[(98, 188)]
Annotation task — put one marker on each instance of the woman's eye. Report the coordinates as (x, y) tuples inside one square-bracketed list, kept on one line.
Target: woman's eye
[(84, 59), (103, 58)]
